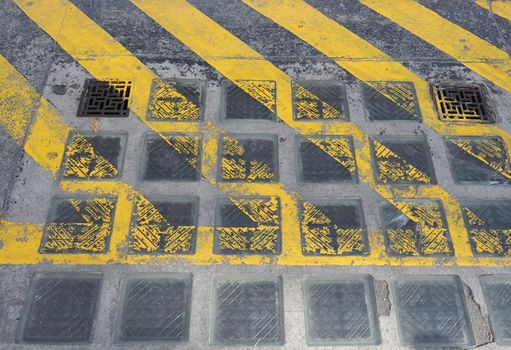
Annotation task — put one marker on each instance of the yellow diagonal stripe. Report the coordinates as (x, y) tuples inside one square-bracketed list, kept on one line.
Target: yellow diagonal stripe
[(501, 8), (477, 54)]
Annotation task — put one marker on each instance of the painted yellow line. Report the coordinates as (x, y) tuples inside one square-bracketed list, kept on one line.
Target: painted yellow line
[(176, 15), (477, 54), (501, 8)]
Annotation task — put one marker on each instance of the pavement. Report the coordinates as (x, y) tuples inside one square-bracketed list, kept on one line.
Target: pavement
[(229, 174)]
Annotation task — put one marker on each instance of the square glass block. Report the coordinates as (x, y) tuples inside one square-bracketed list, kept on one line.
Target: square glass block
[(319, 100), (326, 159), (154, 308), (402, 160), (431, 311), (247, 310), (340, 310), (249, 99), (497, 292), (172, 157), (390, 100), (93, 156), (60, 308)]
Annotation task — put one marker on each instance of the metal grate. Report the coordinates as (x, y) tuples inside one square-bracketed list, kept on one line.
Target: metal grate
[(102, 98), (462, 103)]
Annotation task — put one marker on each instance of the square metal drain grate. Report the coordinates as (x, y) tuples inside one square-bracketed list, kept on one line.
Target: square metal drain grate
[(248, 157), (319, 100), (60, 308), (340, 310), (248, 226), (247, 310), (431, 312), (462, 102), (482, 160), (415, 228), (496, 291), (102, 98), (333, 227), (154, 308), (489, 226), (403, 160), (249, 99), (177, 100), (93, 156), (173, 157), (164, 225), (390, 100), (326, 159), (79, 225)]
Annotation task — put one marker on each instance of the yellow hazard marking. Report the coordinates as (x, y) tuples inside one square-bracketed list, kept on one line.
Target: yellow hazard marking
[(339, 148), (263, 237), (501, 8), (490, 151), (310, 106), (186, 145), (261, 90), (167, 104), (477, 54), (236, 167), (89, 234), (321, 236), (393, 168), (433, 238), (150, 231), (402, 94), (84, 162), (487, 241)]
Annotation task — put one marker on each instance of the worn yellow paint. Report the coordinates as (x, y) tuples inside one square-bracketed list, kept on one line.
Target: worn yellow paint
[(339, 148), (400, 93), (308, 106), (167, 104), (186, 145), (472, 51), (261, 90), (501, 8), (462, 106)]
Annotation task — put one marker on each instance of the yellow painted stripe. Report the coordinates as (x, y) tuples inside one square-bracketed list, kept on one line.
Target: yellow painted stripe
[(477, 54), (501, 8)]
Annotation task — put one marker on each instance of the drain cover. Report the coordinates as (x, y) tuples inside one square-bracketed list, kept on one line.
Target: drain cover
[(102, 98)]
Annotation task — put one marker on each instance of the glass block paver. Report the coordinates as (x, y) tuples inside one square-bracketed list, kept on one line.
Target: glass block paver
[(177, 100), (497, 294), (326, 159), (93, 156), (333, 227), (340, 310), (154, 307), (320, 100), (247, 310), (390, 100), (172, 157), (482, 160), (402, 161), (166, 225), (431, 311), (415, 228), (78, 225), (249, 99), (249, 158), (248, 226), (101, 98), (60, 308), (489, 226), (462, 103)]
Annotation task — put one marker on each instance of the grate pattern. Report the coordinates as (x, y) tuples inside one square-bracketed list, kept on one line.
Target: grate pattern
[(164, 225), (176, 100), (330, 227), (386, 100), (247, 311), (172, 157), (78, 225), (102, 98), (61, 308), (431, 312), (154, 307), (326, 159), (320, 100), (462, 103), (249, 99), (340, 310), (248, 226)]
